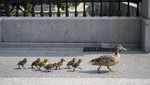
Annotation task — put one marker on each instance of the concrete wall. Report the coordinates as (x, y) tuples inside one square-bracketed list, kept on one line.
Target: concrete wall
[(145, 35), (0, 31), (145, 42), (72, 30), (145, 6)]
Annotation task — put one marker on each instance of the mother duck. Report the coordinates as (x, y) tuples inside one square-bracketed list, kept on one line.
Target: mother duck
[(108, 60)]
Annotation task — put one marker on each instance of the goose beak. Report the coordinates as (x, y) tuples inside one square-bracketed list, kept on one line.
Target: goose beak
[(124, 49)]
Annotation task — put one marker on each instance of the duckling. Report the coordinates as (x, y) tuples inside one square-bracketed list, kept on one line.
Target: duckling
[(77, 64), (22, 63), (35, 63), (60, 63), (43, 64), (70, 63), (48, 67), (108, 60)]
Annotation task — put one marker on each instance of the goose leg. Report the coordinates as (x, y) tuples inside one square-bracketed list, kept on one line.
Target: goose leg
[(99, 68), (111, 69)]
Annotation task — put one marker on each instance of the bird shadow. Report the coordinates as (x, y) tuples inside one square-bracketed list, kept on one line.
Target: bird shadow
[(31, 68), (35, 69), (70, 71), (17, 68), (95, 72), (46, 71), (66, 68)]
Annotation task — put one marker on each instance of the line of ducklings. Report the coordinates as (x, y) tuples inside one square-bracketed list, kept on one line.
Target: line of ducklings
[(38, 64), (105, 60)]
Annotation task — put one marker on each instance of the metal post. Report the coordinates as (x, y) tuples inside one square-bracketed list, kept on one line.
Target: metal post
[(50, 11), (101, 11), (25, 7), (93, 14), (7, 8), (33, 12), (137, 11), (16, 8), (67, 12), (76, 12), (128, 9), (0, 9), (84, 12), (119, 11), (41, 13), (110, 8), (58, 6)]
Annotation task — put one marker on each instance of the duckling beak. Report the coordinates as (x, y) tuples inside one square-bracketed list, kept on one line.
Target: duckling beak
[(91, 62)]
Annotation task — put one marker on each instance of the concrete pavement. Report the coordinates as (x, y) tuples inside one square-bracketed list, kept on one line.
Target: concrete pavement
[(134, 69)]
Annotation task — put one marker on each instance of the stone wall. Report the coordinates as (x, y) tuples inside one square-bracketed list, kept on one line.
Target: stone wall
[(145, 35), (72, 30), (145, 42), (0, 31)]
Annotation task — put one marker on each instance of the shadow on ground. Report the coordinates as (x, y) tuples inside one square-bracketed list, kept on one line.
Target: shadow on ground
[(95, 72)]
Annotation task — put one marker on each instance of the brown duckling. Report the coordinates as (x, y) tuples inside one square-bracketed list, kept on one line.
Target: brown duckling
[(48, 67), (70, 63), (60, 63), (77, 64), (43, 64), (108, 60), (35, 63), (22, 63)]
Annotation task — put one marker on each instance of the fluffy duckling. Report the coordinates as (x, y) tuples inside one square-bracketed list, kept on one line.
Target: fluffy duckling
[(60, 63), (35, 63), (43, 64), (22, 63), (70, 63), (77, 64), (108, 60), (48, 67)]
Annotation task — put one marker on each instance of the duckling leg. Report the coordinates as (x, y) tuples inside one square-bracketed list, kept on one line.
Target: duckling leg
[(32, 66), (60, 68), (80, 68), (69, 67), (49, 70), (99, 68), (36, 66), (74, 69), (111, 69), (56, 68), (40, 68), (23, 66), (19, 67)]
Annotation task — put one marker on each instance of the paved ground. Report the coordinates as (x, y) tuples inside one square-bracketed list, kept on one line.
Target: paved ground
[(134, 69)]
